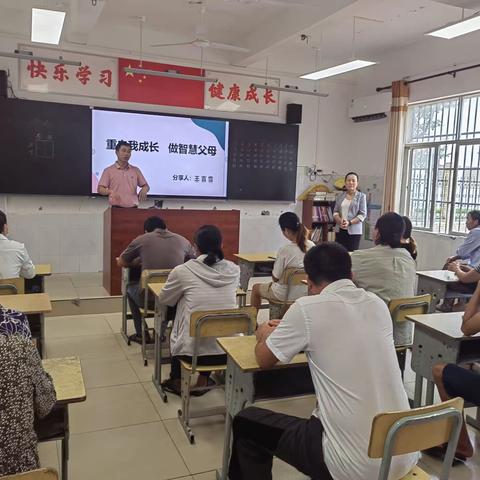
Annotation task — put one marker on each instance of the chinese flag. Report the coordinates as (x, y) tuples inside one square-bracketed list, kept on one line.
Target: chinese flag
[(159, 90)]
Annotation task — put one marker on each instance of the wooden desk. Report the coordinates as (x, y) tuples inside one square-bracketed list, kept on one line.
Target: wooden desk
[(439, 339), (34, 305), (254, 265), (243, 383), (436, 283), (67, 378), (37, 283)]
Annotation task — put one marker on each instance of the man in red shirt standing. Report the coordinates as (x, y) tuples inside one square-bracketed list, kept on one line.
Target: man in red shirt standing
[(121, 180)]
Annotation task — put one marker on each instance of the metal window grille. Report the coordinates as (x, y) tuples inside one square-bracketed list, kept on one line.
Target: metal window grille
[(442, 164)]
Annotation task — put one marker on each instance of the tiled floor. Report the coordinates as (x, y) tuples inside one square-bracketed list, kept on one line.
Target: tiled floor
[(125, 431), (75, 285)]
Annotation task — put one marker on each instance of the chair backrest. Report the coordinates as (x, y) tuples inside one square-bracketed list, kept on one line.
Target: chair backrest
[(223, 323), (40, 474), (12, 286), (398, 433), (400, 308)]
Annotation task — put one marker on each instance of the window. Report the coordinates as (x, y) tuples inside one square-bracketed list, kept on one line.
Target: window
[(442, 164)]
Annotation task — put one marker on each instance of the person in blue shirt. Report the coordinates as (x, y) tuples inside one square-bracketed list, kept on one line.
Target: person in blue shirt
[(468, 252)]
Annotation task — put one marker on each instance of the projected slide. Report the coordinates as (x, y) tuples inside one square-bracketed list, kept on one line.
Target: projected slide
[(178, 156)]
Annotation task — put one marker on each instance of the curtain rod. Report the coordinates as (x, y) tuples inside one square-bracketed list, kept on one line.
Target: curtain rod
[(429, 77)]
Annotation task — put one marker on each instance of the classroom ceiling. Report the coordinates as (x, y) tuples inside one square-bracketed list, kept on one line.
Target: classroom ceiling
[(270, 29)]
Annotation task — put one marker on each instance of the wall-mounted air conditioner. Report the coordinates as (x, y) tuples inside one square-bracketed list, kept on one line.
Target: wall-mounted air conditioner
[(373, 107)]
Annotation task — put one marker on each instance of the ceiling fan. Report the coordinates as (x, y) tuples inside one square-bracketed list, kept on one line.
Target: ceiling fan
[(201, 38)]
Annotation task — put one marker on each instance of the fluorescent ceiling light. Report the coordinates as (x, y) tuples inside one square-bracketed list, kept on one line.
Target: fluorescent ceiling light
[(24, 55), (288, 89), (158, 73), (457, 29), (47, 25), (338, 69)]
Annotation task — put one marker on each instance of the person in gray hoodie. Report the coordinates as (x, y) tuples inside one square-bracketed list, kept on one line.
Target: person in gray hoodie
[(206, 283)]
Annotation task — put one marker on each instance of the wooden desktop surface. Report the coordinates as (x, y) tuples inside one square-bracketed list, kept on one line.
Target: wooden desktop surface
[(447, 323), (242, 351), (67, 378), (156, 288), (28, 303), (43, 269), (441, 275), (256, 257)]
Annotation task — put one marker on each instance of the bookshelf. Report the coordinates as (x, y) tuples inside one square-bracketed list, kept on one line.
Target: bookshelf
[(317, 216)]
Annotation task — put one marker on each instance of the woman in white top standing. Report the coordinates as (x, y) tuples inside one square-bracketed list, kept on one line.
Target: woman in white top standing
[(349, 213), (289, 256), (206, 283)]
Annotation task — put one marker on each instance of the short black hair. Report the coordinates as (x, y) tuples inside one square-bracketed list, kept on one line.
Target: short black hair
[(328, 262), (122, 143), (391, 228), (152, 223), (475, 215), (3, 221), (351, 173)]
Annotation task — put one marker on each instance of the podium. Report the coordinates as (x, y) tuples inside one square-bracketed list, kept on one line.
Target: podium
[(122, 225)]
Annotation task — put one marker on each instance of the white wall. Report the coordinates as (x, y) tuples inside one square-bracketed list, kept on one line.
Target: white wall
[(68, 231)]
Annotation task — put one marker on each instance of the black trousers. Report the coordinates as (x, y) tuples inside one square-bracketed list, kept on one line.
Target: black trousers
[(460, 382), (350, 242), (259, 435), (176, 368)]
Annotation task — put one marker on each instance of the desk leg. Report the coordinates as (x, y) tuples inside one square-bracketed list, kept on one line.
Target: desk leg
[(160, 315), (417, 398), (238, 393), (430, 392), (246, 272), (65, 444), (474, 422)]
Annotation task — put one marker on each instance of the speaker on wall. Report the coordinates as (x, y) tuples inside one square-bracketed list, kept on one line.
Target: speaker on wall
[(294, 113), (3, 84)]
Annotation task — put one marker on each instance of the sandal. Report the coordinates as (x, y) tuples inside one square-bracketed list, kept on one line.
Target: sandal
[(169, 386), (199, 393)]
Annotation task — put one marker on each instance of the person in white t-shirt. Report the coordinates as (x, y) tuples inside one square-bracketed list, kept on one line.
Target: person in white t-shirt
[(289, 256), (346, 333), (15, 261)]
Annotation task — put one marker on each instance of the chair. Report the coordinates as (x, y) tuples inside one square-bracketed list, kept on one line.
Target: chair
[(149, 276), (208, 324), (12, 286), (398, 433), (127, 280), (400, 308), (291, 277), (40, 474)]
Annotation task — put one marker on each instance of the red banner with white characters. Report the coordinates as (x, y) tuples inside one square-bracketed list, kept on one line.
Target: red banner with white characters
[(159, 90), (96, 77)]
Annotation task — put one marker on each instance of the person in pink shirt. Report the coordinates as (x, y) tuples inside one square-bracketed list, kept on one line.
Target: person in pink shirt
[(121, 180)]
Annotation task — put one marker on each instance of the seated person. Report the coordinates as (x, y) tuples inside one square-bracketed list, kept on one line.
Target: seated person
[(26, 391), (407, 240), (289, 256), (333, 442), (14, 259), (456, 381), (157, 248), (13, 322), (467, 257), (207, 283), (388, 270)]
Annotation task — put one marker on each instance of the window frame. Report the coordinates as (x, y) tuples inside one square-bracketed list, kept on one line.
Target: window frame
[(457, 143)]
